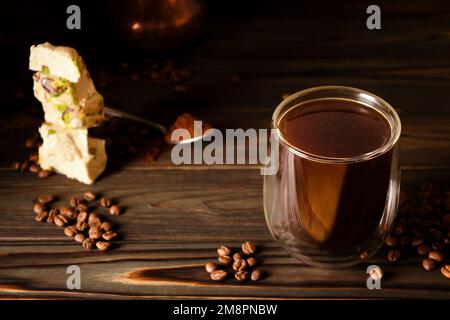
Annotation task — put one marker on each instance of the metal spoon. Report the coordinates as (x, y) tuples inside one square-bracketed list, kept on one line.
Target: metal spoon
[(121, 114)]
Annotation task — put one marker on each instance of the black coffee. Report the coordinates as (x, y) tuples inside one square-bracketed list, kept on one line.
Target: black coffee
[(333, 206)]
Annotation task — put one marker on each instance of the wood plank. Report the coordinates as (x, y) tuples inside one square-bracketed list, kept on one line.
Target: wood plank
[(169, 232)]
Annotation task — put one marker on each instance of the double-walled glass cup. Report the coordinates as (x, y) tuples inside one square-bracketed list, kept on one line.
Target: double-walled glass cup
[(363, 190)]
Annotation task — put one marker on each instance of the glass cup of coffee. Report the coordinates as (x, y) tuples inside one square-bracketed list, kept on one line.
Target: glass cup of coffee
[(335, 196)]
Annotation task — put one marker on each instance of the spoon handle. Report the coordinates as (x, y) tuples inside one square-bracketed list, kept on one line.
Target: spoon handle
[(121, 114)]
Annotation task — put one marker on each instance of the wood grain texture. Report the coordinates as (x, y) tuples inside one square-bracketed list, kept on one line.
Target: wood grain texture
[(177, 216)]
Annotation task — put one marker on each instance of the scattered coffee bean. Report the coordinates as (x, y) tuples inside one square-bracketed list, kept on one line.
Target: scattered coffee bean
[(24, 166), (417, 242), (81, 207), (285, 96), (88, 243), (89, 196), (223, 251), (114, 210), (405, 241), (394, 255), (44, 174), (15, 166), (70, 231), (103, 245), (82, 216), (95, 233), (237, 256), (38, 208), (52, 214), (437, 246), (241, 275), (30, 143), (109, 235), (251, 262), (428, 264), (256, 275), (41, 216), (79, 237), (218, 275), (224, 259), (234, 79), (74, 202), (82, 226), (45, 198), (391, 241), (34, 158), (248, 248), (105, 202), (61, 220), (94, 220), (68, 212), (34, 168), (106, 226), (436, 255), (210, 267), (445, 270), (423, 249), (239, 265), (400, 230), (180, 88)]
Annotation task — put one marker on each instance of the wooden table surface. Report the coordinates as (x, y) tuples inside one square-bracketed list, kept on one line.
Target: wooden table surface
[(176, 216)]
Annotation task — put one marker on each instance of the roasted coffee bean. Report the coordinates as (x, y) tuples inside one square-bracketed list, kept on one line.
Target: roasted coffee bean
[(52, 214), (88, 243), (70, 231), (89, 196), (224, 259), (256, 275), (417, 242), (95, 233), (79, 237), (82, 216), (109, 235), (446, 241), (445, 270), (15, 166), (45, 198), (34, 168), (30, 143), (41, 216), (44, 174), (180, 88), (240, 264), (428, 264), (248, 248), (114, 210), (210, 267), (103, 245), (241, 275), (68, 212), (391, 241), (218, 275), (234, 79), (394, 255), (74, 202), (106, 226), (423, 249), (437, 246), (24, 166), (81, 207), (61, 220), (82, 226), (38, 208), (105, 202), (399, 229), (237, 256), (94, 220), (223, 251), (251, 262), (436, 255)]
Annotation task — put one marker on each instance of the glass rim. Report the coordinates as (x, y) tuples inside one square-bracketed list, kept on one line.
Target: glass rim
[(394, 136)]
